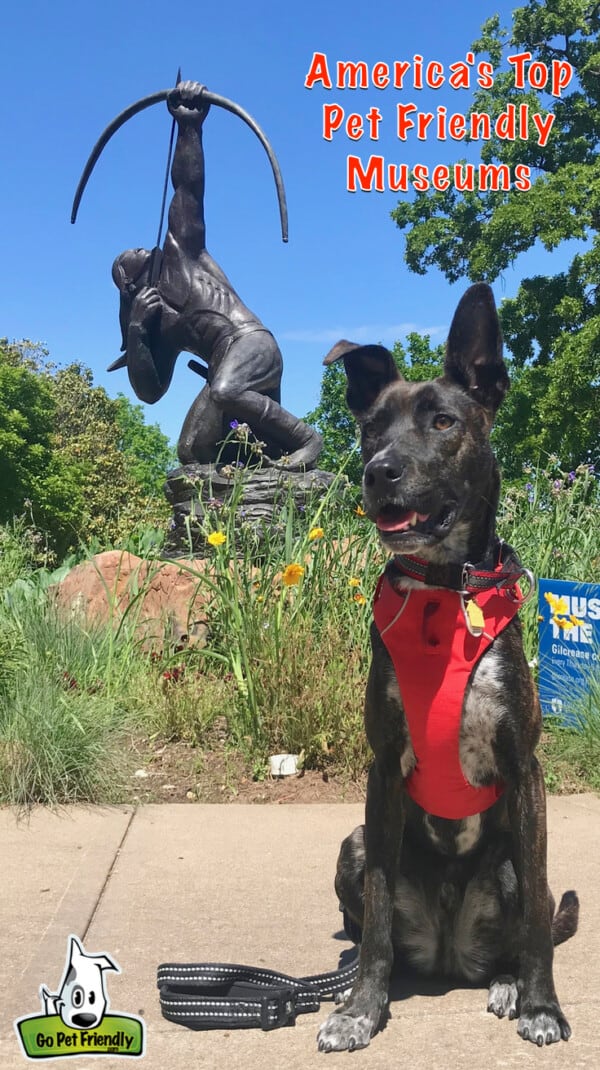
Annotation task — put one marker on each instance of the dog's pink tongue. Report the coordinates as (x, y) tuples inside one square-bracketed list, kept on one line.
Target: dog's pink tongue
[(401, 522)]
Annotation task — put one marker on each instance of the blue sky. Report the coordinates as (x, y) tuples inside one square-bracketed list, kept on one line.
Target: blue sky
[(70, 67)]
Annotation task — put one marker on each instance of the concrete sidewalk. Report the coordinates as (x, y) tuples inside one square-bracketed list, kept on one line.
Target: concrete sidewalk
[(254, 884)]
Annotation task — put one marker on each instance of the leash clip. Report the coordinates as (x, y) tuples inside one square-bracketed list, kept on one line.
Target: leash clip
[(465, 577)]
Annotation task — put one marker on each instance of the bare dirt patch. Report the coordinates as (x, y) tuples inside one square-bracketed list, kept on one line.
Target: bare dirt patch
[(179, 772), (176, 771)]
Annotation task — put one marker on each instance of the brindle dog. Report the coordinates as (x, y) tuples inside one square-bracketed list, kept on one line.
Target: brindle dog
[(464, 898)]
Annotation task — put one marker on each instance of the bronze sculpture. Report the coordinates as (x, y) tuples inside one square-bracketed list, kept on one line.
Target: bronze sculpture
[(179, 300)]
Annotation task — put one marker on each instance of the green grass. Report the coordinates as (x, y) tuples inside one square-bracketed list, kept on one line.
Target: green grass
[(285, 663), (574, 753), (553, 523)]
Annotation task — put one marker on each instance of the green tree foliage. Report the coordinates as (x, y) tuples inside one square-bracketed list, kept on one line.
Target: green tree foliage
[(93, 434), (334, 421), (26, 414), (419, 361), (148, 451), (30, 470), (82, 464), (552, 326)]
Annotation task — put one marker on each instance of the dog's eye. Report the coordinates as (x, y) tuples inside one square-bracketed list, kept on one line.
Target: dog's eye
[(376, 425), (442, 421), (78, 996)]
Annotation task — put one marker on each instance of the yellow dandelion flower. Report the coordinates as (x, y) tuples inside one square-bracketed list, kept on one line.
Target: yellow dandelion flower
[(292, 574), (557, 605), (216, 538), (359, 598), (561, 622), (354, 581), (316, 533), (360, 511), (575, 620)]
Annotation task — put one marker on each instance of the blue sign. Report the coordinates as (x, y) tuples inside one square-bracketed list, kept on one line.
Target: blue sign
[(569, 651)]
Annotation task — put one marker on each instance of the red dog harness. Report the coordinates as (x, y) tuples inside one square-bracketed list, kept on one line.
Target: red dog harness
[(434, 653)]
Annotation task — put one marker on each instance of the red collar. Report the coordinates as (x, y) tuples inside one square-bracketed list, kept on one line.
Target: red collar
[(468, 578)]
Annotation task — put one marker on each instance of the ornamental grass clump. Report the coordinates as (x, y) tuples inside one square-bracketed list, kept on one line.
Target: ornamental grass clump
[(63, 720)]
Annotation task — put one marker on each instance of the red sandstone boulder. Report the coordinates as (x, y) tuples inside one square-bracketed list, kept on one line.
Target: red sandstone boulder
[(165, 602)]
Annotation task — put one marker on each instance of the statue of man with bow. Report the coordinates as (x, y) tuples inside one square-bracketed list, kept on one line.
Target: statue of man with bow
[(178, 300)]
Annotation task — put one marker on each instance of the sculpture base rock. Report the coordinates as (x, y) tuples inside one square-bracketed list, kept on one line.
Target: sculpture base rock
[(258, 495)]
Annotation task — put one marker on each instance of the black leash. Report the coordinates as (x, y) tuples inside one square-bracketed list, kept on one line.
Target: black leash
[(212, 995)]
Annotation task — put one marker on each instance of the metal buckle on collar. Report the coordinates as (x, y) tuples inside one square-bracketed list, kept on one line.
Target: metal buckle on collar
[(509, 584), (510, 591), (284, 1005)]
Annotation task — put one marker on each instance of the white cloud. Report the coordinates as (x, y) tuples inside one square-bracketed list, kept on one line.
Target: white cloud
[(366, 333)]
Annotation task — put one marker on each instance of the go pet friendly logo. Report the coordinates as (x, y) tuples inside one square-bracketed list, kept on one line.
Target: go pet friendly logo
[(74, 1020)]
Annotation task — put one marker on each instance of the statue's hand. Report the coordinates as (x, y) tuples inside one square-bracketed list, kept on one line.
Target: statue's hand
[(187, 104), (146, 307)]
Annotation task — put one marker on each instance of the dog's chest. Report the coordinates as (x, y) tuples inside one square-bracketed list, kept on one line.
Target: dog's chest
[(483, 708), (451, 694)]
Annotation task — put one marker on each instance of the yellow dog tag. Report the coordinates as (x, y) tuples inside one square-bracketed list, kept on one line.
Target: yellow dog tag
[(473, 617)]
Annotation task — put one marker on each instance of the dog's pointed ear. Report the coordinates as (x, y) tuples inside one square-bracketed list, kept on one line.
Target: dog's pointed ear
[(474, 349), (104, 962), (368, 370), (75, 949)]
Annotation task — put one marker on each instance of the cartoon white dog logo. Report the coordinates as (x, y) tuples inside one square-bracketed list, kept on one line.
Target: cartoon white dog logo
[(81, 1000)]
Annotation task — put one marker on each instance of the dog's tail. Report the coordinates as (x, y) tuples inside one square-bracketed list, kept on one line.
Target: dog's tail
[(564, 922)]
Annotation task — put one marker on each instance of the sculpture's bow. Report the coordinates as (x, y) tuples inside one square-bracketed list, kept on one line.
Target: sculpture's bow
[(157, 98)]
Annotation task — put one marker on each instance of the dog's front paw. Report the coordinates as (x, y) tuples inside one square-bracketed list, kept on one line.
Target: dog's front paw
[(343, 1032), (543, 1025), (503, 996)]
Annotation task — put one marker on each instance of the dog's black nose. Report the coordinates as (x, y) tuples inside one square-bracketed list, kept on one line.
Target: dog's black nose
[(380, 474), (82, 1020)]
